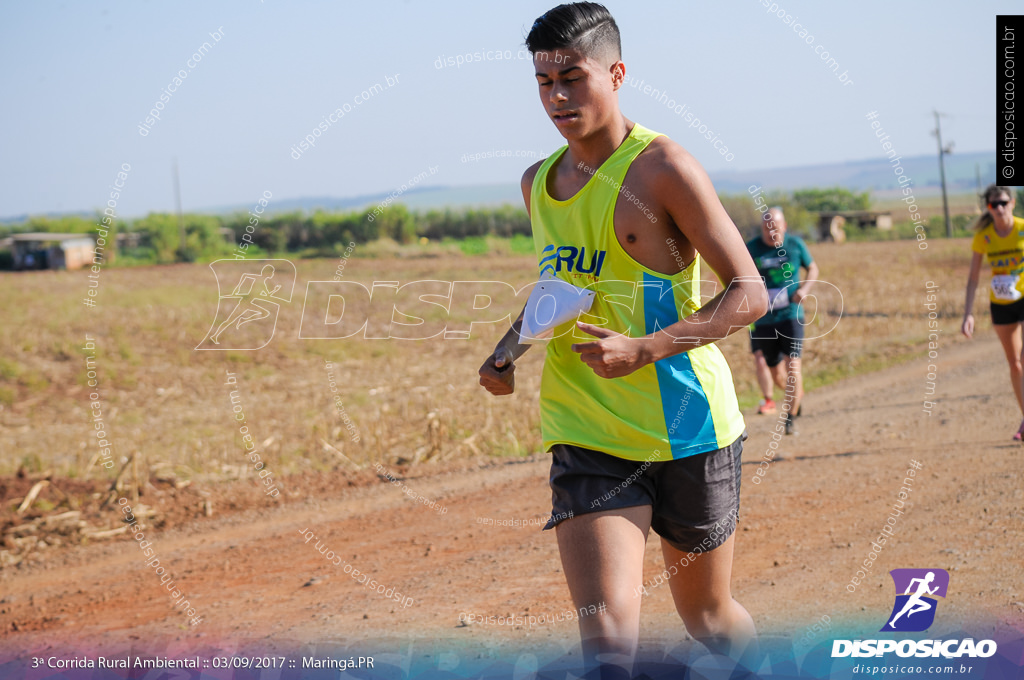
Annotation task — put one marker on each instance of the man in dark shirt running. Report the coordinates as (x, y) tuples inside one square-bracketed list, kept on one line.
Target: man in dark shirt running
[(776, 338)]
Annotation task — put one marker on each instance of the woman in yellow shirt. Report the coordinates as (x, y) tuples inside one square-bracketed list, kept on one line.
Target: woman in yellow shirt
[(1000, 237)]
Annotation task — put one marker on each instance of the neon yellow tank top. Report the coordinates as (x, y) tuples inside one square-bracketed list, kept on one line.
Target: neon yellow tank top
[(677, 407)]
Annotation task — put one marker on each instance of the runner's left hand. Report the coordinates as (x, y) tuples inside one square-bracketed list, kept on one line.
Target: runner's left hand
[(612, 355)]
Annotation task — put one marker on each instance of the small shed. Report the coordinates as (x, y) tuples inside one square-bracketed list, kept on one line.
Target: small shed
[(831, 223), (127, 240), (43, 250)]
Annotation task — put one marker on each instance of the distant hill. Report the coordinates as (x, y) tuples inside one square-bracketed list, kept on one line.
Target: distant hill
[(18, 219), (418, 198), (875, 175)]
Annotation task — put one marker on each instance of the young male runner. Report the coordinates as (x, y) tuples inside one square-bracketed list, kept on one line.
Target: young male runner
[(622, 392), (776, 339)]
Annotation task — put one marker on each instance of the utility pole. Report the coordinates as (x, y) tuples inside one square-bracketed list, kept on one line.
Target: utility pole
[(942, 172), (979, 207), (182, 253)]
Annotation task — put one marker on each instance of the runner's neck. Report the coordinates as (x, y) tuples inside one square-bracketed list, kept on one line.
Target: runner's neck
[(1008, 229), (600, 146)]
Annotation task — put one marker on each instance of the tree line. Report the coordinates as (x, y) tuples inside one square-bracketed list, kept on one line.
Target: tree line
[(157, 237)]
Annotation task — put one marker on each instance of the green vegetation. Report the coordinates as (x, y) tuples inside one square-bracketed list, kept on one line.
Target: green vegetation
[(747, 217), (157, 237), (837, 198), (963, 226), (399, 232)]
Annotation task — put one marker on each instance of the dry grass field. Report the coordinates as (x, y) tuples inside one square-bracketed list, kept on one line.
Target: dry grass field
[(406, 400), (72, 579)]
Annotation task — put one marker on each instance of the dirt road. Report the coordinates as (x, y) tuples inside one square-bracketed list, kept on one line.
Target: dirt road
[(804, 530)]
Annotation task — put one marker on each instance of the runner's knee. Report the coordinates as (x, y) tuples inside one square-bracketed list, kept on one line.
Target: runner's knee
[(709, 619), (620, 619)]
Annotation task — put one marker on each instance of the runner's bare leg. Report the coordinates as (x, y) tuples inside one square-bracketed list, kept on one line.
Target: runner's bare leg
[(703, 597), (603, 559), (1010, 338), (763, 373), (793, 373)]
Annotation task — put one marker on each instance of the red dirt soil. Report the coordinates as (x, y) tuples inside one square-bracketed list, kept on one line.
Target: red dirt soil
[(803, 532)]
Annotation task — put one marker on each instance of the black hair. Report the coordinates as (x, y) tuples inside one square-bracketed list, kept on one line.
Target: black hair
[(586, 27)]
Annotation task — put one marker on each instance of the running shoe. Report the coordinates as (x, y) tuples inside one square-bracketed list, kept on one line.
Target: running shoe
[(766, 406), (791, 424), (1019, 435)]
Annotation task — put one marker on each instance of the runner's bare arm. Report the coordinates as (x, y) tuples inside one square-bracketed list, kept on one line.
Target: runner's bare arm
[(497, 375), (805, 286), (685, 190), (967, 326), (510, 341)]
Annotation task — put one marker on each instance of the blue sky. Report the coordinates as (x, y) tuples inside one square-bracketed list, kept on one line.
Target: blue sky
[(79, 77)]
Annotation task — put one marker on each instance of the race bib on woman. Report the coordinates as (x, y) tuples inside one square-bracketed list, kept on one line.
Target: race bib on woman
[(1004, 287)]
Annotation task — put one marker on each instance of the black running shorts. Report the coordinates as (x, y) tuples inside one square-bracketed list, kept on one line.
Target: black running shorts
[(695, 500), (1007, 314), (778, 340)]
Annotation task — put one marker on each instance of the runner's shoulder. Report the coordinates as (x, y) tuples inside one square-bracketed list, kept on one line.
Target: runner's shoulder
[(667, 166), (798, 240), (978, 242), (803, 246), (989, 228), (665, 154), (526, 184)]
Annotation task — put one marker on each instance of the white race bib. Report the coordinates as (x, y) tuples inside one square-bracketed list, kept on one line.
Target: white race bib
[(1004, 287), (778, 298)]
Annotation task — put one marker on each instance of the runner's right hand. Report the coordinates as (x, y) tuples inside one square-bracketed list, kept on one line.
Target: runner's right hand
[(967, 328), (497, 375)]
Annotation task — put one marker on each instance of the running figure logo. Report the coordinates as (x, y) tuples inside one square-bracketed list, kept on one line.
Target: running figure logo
[(255, 298), (914, 610)]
